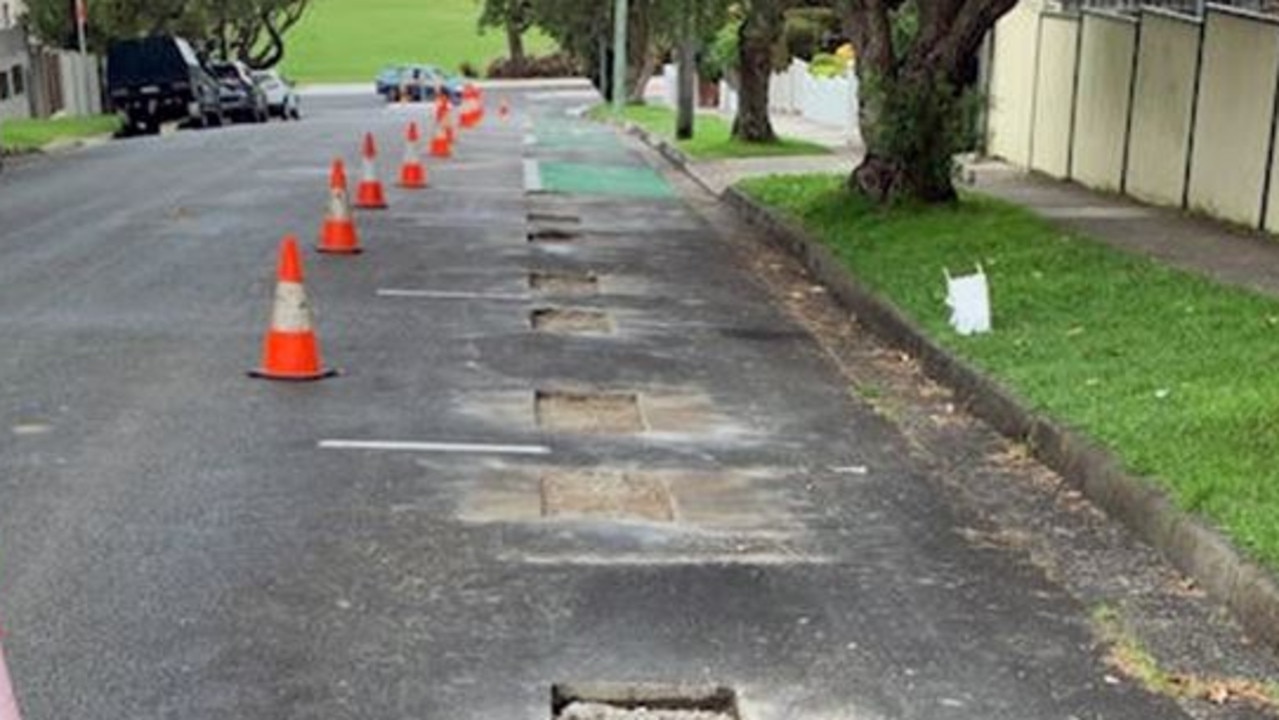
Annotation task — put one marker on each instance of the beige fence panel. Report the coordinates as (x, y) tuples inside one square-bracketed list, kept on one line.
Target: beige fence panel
[(1012, 84), (1271, 219), (1106, 50), (1163, 107), (1233, 116), (1055, 96)]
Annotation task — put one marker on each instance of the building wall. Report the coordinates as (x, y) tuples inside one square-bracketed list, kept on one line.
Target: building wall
[(1050, 140), (15, 81), (10, 12), (1163, 105), (1106, 54)]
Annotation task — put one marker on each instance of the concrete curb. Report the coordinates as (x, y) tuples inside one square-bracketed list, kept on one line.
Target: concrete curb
[(1201, 552), (1249, 590)]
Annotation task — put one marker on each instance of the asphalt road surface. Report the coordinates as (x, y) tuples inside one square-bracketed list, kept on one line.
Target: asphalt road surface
[(672, 484)]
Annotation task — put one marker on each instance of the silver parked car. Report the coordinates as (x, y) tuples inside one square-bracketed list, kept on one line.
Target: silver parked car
[(281, 99)]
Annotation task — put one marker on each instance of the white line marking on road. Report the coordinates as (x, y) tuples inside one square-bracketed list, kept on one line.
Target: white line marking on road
[(447, 295), (434, 447), (532, 176), (686, 559)]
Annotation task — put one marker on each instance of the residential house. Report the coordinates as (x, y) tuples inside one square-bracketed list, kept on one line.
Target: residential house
[(15, 65)]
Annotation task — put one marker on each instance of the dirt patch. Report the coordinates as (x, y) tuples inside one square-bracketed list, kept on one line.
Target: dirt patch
[(605, 495), (586, 412), (564, 283), (571, 321)]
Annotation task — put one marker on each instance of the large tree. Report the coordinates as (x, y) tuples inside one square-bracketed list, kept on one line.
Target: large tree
[(915, 60), (248, 30), (585, 29)]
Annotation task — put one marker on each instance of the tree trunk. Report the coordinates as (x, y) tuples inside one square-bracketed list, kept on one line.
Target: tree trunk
[(640, 63), (756, 39), (515, 42), (913, 127), (915, 113), (687, 74)]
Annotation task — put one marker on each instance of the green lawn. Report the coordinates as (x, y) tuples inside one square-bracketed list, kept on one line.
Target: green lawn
[(21, 135), (349, 40), (1178, 375), (712, 135)]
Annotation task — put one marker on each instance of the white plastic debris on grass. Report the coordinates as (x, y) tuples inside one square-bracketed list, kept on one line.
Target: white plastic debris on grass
[(968, 297)]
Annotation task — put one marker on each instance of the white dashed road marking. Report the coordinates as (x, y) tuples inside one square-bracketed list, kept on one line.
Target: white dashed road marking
[(434, 447)]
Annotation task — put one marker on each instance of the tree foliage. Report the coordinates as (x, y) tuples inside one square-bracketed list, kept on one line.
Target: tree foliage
[(584, 28), (248, 30)]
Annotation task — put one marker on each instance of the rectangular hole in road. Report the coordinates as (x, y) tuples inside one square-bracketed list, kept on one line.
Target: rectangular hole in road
[(618, 701), (586, 412), (557, 218), (553, 235), (605, 495), (564, 283), (571, 321)]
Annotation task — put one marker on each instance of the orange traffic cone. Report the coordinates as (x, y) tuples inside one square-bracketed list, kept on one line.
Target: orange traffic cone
[(290, 351), (413, 172), (8, 701), (339, 235), (472, 110), (442, 143), (370, 194), (442, 106)]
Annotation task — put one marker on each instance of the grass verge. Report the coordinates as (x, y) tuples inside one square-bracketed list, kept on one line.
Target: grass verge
[(712, 135), (350, 40), (27, 135), (1128, 656), (1176, 374)]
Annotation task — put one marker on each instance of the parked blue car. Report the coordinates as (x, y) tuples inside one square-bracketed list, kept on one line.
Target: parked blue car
[(419, 81)]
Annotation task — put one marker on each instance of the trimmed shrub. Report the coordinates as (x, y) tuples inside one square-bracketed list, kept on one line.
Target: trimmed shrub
[(545, 66)]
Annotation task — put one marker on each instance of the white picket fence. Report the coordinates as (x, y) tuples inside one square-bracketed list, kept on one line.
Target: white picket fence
[(829, 101)]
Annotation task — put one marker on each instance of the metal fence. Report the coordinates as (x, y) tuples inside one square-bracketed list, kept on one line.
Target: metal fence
[(1186, 7)]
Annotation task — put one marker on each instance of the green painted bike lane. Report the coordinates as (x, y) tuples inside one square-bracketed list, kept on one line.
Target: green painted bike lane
[(578, 157)]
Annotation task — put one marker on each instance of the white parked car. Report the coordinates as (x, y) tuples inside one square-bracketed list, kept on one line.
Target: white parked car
[(281, 100)]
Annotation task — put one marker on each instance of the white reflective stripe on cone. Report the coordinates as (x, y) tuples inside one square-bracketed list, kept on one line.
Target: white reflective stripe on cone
[(8, 703), (292, 311), (339, 209), (370, 172)]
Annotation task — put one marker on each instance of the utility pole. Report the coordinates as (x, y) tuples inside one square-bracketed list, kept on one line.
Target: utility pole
[(84, 85), (687, 71), (621, 13)]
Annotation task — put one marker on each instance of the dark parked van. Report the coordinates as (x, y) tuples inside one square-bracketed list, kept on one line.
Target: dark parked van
[(159, 79)]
